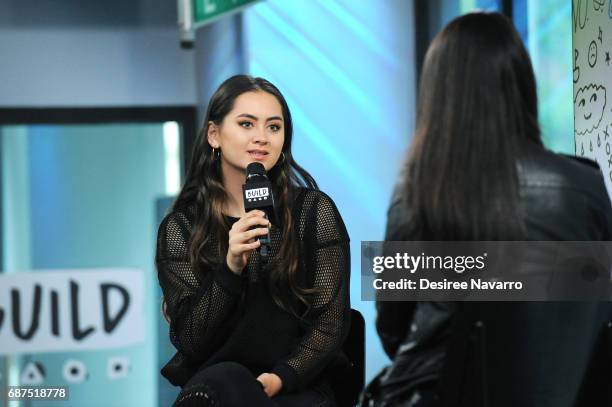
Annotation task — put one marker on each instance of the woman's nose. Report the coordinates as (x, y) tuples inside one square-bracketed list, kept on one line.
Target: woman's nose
[(260, 136)]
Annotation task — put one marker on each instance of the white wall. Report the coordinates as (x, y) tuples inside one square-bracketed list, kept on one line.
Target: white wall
[(93, 53), (218, 55)]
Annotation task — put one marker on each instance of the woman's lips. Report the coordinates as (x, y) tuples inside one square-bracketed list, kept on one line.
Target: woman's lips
[(258, 155)]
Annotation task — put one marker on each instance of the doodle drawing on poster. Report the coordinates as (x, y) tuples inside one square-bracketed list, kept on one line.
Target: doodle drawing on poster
[(580, 11), (589, 106), (576, 67), (592, 54)]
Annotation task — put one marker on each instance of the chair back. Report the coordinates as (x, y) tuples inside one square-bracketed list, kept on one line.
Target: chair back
[(348, 387)]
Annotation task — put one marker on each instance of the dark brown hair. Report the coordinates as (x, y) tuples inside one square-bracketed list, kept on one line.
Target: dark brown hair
[(477, 109)]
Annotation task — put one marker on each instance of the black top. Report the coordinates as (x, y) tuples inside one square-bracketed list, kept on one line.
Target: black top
[(217, 315)]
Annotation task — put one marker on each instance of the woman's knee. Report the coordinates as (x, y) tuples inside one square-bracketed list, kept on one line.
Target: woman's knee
[(228, 384), (224, 375), (231, 370)]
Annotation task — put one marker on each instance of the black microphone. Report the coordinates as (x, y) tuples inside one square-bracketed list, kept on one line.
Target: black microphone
[(257, 194)]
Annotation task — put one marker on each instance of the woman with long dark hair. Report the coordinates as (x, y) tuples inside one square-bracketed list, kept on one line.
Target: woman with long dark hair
[(477, 170), (252, 329)]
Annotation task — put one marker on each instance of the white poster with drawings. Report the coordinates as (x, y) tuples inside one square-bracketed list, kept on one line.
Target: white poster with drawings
[(592, 43)]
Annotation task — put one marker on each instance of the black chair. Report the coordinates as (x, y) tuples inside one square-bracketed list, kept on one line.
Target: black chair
[(347, 387)]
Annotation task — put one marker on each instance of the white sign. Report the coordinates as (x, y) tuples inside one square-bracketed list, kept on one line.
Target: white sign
[(257, 193), (592, 43), (71, 310)]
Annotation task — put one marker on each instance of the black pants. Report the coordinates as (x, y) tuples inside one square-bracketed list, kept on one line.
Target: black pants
[(229, 384)]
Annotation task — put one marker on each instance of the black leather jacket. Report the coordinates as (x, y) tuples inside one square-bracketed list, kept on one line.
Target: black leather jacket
[(562, 198)]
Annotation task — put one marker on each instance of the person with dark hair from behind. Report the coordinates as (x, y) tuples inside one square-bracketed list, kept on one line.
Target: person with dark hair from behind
[(477, 171), (252, 329)]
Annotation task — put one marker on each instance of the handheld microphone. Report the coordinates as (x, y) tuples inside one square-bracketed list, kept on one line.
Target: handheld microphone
[(257, 194)]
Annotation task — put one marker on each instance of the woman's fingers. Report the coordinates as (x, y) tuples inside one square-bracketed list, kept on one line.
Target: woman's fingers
[(253, 233), (263, 379), (252, 218), (243, 239), (271, 383), (245, 247), (239, 238)]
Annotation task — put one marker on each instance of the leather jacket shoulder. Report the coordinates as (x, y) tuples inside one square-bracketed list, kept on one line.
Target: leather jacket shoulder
[(563, 197)]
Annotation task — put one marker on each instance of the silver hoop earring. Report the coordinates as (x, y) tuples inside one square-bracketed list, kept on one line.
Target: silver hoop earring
[(218, 154), (283, 155)]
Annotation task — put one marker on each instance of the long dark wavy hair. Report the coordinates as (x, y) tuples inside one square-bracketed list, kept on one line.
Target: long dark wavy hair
[(204, 187), (477, 110)]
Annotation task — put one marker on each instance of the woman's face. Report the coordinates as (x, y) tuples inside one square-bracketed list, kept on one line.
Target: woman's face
[(252, 131)]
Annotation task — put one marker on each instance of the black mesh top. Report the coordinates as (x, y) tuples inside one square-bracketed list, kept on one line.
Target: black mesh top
[(217, 316)]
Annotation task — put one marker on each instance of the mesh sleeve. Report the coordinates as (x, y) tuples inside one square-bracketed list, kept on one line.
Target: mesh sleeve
[(198, 305), (329, 262)]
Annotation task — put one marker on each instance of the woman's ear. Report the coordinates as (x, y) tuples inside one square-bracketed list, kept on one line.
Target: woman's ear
[(213, 135)]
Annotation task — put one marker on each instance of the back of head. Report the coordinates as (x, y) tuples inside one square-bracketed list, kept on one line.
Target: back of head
[(477, 109)]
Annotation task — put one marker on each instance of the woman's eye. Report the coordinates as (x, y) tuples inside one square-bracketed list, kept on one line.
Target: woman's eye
[(275, 127), (246, 125)]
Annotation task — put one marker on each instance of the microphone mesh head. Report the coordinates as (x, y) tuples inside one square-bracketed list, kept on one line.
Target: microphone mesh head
[(255, 168)]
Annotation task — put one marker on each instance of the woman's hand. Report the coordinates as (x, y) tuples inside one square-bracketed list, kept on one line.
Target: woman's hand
[(272, 384), (243, 241)]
